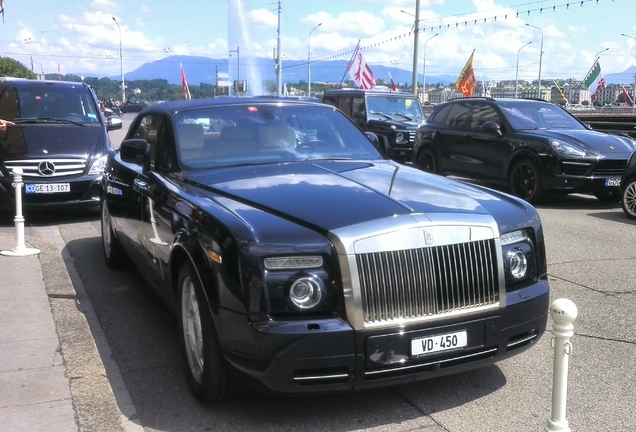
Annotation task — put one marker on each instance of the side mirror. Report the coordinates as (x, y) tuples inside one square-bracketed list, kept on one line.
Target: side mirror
[(492, 126), (113, 123), (136, 151)]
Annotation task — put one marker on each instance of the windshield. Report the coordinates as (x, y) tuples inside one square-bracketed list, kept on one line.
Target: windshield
[(267, 133), (538, 116), (394, 105), (35, 101)]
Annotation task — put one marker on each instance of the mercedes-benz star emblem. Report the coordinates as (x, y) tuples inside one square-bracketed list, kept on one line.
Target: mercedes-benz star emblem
[(46, 168)]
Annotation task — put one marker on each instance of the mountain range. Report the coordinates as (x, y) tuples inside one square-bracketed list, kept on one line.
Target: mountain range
[(203, 70)]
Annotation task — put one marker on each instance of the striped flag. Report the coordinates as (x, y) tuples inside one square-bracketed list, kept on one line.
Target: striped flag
[(594, 80), (184, 84), (360, 72)]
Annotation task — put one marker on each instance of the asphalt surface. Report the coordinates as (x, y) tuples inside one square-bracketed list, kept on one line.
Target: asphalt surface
[(70, 362)]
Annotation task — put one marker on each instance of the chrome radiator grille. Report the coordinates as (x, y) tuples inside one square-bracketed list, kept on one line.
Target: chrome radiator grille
[(426, 282), (47, 168)]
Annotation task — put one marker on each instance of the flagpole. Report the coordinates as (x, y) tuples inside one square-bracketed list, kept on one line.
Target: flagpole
[(355, 51)]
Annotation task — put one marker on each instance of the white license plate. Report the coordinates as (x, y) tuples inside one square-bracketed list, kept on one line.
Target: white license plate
[(614, 181), (46, 188), (442, 342)]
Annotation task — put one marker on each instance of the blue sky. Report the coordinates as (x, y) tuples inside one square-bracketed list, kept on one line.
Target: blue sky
[(81, 35)]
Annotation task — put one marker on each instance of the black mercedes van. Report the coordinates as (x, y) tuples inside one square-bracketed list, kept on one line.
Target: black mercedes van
[(59, 138)]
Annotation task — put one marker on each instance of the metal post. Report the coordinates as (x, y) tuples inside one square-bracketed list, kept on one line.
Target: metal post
[(540, 57), (20, 249), (563, 312), (517, 76), (121, 65), (279, 65), (309, 60), (424, 68)]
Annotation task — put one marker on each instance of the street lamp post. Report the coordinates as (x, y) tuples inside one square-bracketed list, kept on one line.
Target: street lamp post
[(416, 32), (634, 98), (121, 65), (540, 56), (424, 68), (238, 65), (309, 60), (517, 76)]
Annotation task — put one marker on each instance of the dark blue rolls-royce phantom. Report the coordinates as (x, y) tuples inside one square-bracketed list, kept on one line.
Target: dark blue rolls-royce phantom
[(299, 260)]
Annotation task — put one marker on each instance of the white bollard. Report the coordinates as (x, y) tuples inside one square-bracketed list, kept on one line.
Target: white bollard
[(563, 312), (20, 249)]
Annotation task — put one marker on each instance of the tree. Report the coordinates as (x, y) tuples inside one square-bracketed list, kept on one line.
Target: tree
[(13, 68)]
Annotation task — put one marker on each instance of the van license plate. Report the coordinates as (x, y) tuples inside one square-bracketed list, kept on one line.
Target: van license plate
[(442, 342), (47, 188)]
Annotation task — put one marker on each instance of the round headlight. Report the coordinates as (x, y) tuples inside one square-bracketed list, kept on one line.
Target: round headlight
[(518, 264), (305, 293)]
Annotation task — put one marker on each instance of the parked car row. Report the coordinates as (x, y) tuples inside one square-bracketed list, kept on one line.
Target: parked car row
[(296, 255)]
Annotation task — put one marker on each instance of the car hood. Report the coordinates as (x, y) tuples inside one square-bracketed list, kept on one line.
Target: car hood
[(50, 140), (334, 194), (606, 144)]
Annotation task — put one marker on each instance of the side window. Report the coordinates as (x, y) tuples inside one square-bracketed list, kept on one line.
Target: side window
[(458, 115), (150, 129), (483, 113), (344, 104), (359, 110)]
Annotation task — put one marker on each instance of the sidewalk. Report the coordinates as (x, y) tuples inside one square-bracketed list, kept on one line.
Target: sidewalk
[(51, 374)]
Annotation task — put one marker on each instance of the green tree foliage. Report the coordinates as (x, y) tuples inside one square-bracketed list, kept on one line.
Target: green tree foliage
[(13, 68)]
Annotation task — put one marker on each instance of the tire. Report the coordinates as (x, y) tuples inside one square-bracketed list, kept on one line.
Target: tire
[(526, 181), (114, 254), (206, 369), (427, 161), (629, 199)]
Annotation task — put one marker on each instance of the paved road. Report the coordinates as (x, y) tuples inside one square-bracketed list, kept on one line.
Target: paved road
[(591, 261)]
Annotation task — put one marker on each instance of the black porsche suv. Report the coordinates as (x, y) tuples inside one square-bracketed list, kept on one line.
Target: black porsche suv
[(533, 147), (392, 116)]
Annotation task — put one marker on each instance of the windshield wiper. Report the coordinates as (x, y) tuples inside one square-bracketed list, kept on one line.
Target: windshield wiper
[(386, 116), (24, 120)]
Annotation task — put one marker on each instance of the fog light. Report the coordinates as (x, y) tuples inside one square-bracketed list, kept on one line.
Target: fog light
[(518, 264), (305, 293)]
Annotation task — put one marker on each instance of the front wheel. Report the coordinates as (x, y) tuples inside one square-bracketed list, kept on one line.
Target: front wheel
[(526, 181), (427, 161), (206, 369), (629, 199), (113, 252)]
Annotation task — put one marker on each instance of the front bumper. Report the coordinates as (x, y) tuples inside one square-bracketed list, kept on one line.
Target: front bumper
[(84, 192), (329, 356)]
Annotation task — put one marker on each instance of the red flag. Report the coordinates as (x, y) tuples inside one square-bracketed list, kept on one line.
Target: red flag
[(466, 81), (184, 84), (360, 72), (393, 86)]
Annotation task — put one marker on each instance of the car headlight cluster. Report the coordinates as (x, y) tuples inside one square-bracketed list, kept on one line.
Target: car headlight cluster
[(297, 284), (98, 166), (518, 257), (570, 150)]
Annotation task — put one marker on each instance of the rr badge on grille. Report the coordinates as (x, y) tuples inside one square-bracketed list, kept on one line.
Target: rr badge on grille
[(428, 237)]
